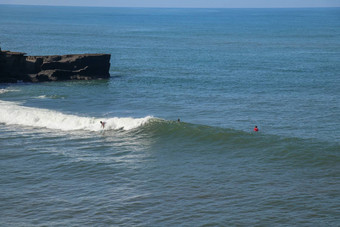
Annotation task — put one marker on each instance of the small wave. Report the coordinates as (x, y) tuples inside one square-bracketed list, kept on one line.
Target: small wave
[(50, 97), (57, 97), (4, 90), (12, 113), (41, 97)]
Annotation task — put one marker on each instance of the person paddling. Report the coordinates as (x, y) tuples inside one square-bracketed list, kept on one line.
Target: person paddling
[(256, 129), (102, 123)]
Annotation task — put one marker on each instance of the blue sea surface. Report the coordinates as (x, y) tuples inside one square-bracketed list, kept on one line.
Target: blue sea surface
[(221, 72)]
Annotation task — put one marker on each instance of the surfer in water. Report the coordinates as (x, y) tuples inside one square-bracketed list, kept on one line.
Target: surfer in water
[(102, 123), (256, 129)]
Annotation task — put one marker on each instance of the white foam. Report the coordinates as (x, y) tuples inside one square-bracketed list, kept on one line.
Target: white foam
[(2, 91), (12, 113), (41, 97)]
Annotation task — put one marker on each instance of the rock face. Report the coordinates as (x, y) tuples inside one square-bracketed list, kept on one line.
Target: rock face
[(16, 66)]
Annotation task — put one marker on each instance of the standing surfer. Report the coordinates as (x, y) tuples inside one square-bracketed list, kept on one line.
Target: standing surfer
[(102, 123)]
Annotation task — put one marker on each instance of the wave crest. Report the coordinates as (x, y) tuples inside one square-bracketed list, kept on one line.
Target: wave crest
[(13, 114), (4, 90)]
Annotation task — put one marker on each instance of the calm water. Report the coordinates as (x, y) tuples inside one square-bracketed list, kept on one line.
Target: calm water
[(221, 71)]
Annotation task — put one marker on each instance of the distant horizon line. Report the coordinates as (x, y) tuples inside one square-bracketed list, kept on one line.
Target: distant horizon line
[(182, 7)]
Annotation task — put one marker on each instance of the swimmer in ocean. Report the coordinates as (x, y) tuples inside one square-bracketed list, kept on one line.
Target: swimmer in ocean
[(102, 123), (256, 129)]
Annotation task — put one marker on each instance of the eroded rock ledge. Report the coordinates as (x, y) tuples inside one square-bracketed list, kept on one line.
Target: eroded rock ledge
[(16, 66)]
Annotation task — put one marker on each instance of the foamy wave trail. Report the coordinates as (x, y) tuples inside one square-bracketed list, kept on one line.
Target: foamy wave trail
[(2, 90), (14, 114)]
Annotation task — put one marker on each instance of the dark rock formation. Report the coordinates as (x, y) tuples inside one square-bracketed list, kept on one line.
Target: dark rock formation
[(18, 67), (12, 65)]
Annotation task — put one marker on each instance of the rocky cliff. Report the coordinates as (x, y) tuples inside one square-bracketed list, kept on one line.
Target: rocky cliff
[(15, 66)]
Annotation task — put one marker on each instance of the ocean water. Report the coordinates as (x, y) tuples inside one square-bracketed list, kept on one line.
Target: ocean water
[(221, 72)]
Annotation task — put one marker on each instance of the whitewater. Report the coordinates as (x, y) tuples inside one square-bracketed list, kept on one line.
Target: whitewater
[(13, 113)]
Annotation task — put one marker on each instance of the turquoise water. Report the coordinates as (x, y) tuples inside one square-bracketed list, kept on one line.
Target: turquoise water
[(221, 71)]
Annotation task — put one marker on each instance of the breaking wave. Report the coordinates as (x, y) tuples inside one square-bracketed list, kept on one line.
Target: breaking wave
[(12, 113), (3, 90)]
